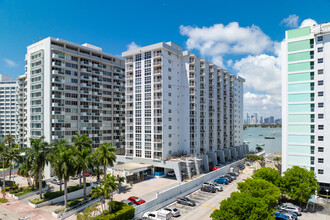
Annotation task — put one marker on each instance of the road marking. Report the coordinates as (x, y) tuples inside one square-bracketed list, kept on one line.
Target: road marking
[(211, 207)]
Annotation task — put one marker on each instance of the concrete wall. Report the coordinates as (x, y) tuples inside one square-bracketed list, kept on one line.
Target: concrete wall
[(169, 196), (28, 194)]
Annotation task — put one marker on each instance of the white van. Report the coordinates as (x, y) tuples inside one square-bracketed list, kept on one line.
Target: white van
[(158, 215)]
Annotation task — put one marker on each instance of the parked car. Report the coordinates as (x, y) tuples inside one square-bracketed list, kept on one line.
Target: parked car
[(242, 167), (185, 201), (208, 188), (291, 207), (136, 200), (221, 181), (171, 173), (233, 176), (279, 216), (128, 202), (291, 215), (56, 181), (74, 177), (157, 215), (226, 177), (234, 173), (174, 211), (213, 168), (215, 185)]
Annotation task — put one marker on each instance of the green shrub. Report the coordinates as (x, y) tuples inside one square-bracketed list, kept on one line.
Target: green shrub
[(12, 188), (59, 210), (3, 200), (124, 212), (75, 202)]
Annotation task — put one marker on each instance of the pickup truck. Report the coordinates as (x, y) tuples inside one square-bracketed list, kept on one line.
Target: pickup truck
[(157, 215)]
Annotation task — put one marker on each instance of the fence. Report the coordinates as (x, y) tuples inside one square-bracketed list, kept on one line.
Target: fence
[(166, 197)]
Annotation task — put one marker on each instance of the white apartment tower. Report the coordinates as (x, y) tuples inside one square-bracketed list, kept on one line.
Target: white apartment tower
[(178, 103), (305, 109), (8, 107), (69, 88)]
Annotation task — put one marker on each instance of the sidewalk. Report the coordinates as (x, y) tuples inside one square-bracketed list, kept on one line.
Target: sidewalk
[(16, 209)]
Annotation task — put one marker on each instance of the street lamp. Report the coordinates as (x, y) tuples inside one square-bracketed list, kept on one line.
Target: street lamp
[(327, 190)]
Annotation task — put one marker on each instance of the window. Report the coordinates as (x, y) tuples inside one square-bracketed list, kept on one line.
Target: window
[(320, 82), (320, 60), (320, 49), (320, 71), (169, 69), (320, 116), (138, 57), (320, 138), (320, 149), (320, 127), (147, 55), (320, 38), (320, 171), (320, 160), (169, 77), (147, 63), (321, 105), (138, 65), (169, 94), (147, 72), (320, 94), (138, 73), (169, 86), (147, 80)]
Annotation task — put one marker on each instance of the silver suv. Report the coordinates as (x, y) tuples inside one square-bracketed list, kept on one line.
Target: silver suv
[(291, 208), (217, 186)]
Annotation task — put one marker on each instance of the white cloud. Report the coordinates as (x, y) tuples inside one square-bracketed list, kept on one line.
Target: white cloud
[(230, 62), (218, 60), (222, 39), (265, 105), (308, 22), (291, 21), (132, 46), (262, 73), (10, 63)]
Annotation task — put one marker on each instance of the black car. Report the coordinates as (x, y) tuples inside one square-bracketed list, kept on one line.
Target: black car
[(185, 201), (208, 188), (242, 167), (231, 176)]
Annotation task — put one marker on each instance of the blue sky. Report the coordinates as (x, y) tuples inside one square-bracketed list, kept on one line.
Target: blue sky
[(113, 25)]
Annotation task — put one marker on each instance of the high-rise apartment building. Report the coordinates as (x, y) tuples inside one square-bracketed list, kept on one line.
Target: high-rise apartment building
[(305, 110), (8, 107), (70, 88), (178, 103)]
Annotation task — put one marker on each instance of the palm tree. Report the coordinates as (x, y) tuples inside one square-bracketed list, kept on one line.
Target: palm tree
[(83, 160), (56, 164), (111, 183), (105, 154), (278, 163), (81, 141), (5, 151), (9, 139), (64, 157), (13, 156), (95, 166), (38, 155), (101, 191)]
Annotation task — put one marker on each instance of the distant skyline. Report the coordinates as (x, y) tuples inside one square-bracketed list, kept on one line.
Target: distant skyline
[(243, 38)]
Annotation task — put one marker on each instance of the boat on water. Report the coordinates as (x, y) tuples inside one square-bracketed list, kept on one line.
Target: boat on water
[(261, 135), (250, 134), (260, 144), (246, 142), (269, 137)]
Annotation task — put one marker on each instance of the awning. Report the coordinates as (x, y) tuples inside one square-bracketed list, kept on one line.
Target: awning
[(131, 167)]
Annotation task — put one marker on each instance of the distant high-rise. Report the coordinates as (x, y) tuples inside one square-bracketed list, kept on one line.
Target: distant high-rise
[(271, 120), (8, 107), (305, 108)]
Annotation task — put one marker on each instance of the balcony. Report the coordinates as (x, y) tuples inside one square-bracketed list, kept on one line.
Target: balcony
[(86, 63), (57, 72), (157, 54), (56, 88), (58, 104), (85, 77), (58, 56), (58, 64), (58, 80)]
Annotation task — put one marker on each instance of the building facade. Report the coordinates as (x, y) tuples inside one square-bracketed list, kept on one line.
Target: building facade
[(70, 88), (8, 107), (305, 111), (178, 103)]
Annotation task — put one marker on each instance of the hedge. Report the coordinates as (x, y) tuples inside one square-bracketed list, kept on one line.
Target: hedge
[(119, 211), (52, 195)]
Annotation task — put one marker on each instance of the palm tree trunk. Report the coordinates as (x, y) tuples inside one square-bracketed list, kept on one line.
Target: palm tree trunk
[(3, 172), (79, 179), (84, 178), (65, 194), (40, 184), (10, 171), (104, 170), (61, 184)]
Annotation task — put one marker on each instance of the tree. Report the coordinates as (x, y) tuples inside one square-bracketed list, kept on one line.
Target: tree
[(81, 141), (106, 155), (55, 163), (242, 206), (259, 149), (88, 212), (9, 140), (254, 158), (95, 166), (299, 183), (83, 160), (65, 157), (37, 154), (262, 189), (5, 151), (13, 156), (269, 174)]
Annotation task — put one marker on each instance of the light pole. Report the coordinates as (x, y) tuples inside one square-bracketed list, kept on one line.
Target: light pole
[(327, 195)]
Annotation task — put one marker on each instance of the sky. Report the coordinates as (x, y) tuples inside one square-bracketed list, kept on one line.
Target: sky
[(242, 37)]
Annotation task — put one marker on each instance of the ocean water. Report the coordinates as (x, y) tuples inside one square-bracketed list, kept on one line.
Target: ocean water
[(271, 145)]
